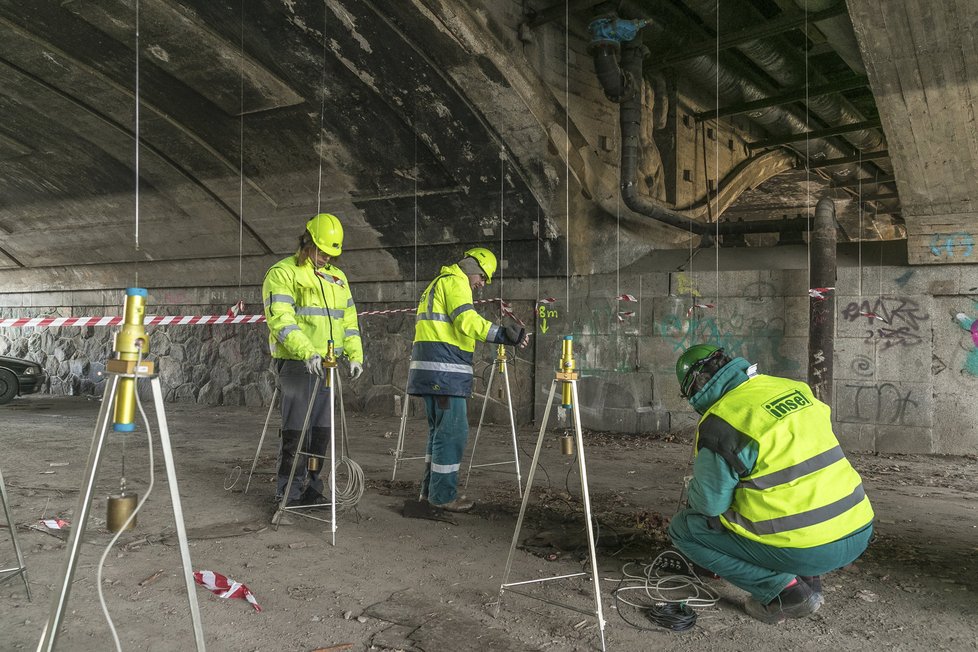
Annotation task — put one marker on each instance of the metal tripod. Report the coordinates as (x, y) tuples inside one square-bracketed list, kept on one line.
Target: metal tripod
[(344, 441), (21, 567), (332, 381), (115, 371), (398, 452), (571, 379), (501, 360), (261, 440)]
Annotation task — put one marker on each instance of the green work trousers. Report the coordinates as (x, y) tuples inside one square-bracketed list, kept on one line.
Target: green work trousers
[(761, 570)]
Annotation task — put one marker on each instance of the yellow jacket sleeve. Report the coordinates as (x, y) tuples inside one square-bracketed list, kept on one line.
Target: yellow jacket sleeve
[(459, 306)]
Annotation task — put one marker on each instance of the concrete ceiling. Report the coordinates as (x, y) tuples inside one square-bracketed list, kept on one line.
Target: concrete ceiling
[(442, 124)]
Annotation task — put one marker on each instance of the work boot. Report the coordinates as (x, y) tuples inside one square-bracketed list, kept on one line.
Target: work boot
[(813, 581), (460, 504), (797, 600)]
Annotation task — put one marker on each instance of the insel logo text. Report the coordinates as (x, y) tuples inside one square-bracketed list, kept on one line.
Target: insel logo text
[(786, 404)]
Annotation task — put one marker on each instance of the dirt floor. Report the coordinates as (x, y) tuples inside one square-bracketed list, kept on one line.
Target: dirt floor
[(395, 583)]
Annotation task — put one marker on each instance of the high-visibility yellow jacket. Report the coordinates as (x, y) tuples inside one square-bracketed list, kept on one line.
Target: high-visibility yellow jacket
[(306, 307), (445, 331), (802, 491)]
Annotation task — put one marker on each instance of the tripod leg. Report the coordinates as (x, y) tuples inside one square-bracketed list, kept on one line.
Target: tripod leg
[(298, 452), (400, 434), (526, 497), (50, 633), (261, 440), (21, 566), (586, 497), (512, 426), (171, 477), (478, 428), (333, 384)]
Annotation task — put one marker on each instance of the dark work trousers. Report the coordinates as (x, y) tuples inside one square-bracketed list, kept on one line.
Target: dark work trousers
[(448, 431), (296, 389)]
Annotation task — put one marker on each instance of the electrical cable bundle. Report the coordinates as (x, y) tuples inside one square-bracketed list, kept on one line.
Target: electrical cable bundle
[(669, 589), (676, 617), (350, 495)]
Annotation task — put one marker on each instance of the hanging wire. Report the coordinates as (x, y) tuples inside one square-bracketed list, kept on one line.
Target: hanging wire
[(567, 147), (808, 160), (502, 224), (414, 126), (618, 226), (322, 118), (716, 171), (539, 236), (136, 130), (859, 247), (241, 150)]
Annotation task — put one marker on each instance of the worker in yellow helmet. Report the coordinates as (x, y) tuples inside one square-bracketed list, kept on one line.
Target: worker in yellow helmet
[(446, 329), (308, 304), (773, 501)]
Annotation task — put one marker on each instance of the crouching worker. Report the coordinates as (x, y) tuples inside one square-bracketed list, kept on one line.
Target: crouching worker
[(773, 501), (445, 332), (308, 304)]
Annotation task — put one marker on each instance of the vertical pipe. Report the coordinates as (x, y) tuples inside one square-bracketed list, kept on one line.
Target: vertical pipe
[(821, 312)]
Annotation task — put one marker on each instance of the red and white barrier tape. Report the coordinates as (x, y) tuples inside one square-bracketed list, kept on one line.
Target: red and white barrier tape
[(192, 320)]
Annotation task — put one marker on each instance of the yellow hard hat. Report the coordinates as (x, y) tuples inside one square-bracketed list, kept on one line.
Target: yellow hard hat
[(327, 233), (486, 260)]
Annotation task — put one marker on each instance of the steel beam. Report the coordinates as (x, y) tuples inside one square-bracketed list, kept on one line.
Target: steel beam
[(765, 30), (846, 160), (786, 97), (856, 183), (812, 135)]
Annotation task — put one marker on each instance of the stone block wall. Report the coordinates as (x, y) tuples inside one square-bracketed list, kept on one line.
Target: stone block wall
[(906, 366)]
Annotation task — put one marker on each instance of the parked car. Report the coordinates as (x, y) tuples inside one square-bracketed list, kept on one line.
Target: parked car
[(19, 377)]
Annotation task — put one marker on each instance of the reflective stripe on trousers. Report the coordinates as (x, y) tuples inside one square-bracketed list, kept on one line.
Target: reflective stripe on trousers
[(448, 432)]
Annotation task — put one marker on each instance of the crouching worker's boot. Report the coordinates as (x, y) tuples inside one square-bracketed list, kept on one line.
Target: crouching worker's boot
[(796, 600)]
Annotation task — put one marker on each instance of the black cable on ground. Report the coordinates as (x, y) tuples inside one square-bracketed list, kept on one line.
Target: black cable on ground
[(674, 616)]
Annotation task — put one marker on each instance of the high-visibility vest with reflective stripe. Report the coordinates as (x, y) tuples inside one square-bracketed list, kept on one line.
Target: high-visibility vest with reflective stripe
[(306, 307), (445, 332), (802, 491)]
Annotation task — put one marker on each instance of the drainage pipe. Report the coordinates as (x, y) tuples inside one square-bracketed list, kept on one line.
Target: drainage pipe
[(821, 311), (631, 117)]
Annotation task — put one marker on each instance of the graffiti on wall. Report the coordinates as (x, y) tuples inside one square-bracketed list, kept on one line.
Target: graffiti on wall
[(946, 245), (891, 321), (971, 326), (879, 403), (764, 341)]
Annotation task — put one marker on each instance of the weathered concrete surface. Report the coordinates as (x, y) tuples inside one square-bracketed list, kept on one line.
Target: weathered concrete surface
[(906, 367)]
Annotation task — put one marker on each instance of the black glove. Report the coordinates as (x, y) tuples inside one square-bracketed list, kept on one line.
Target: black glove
[(515, 335)]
